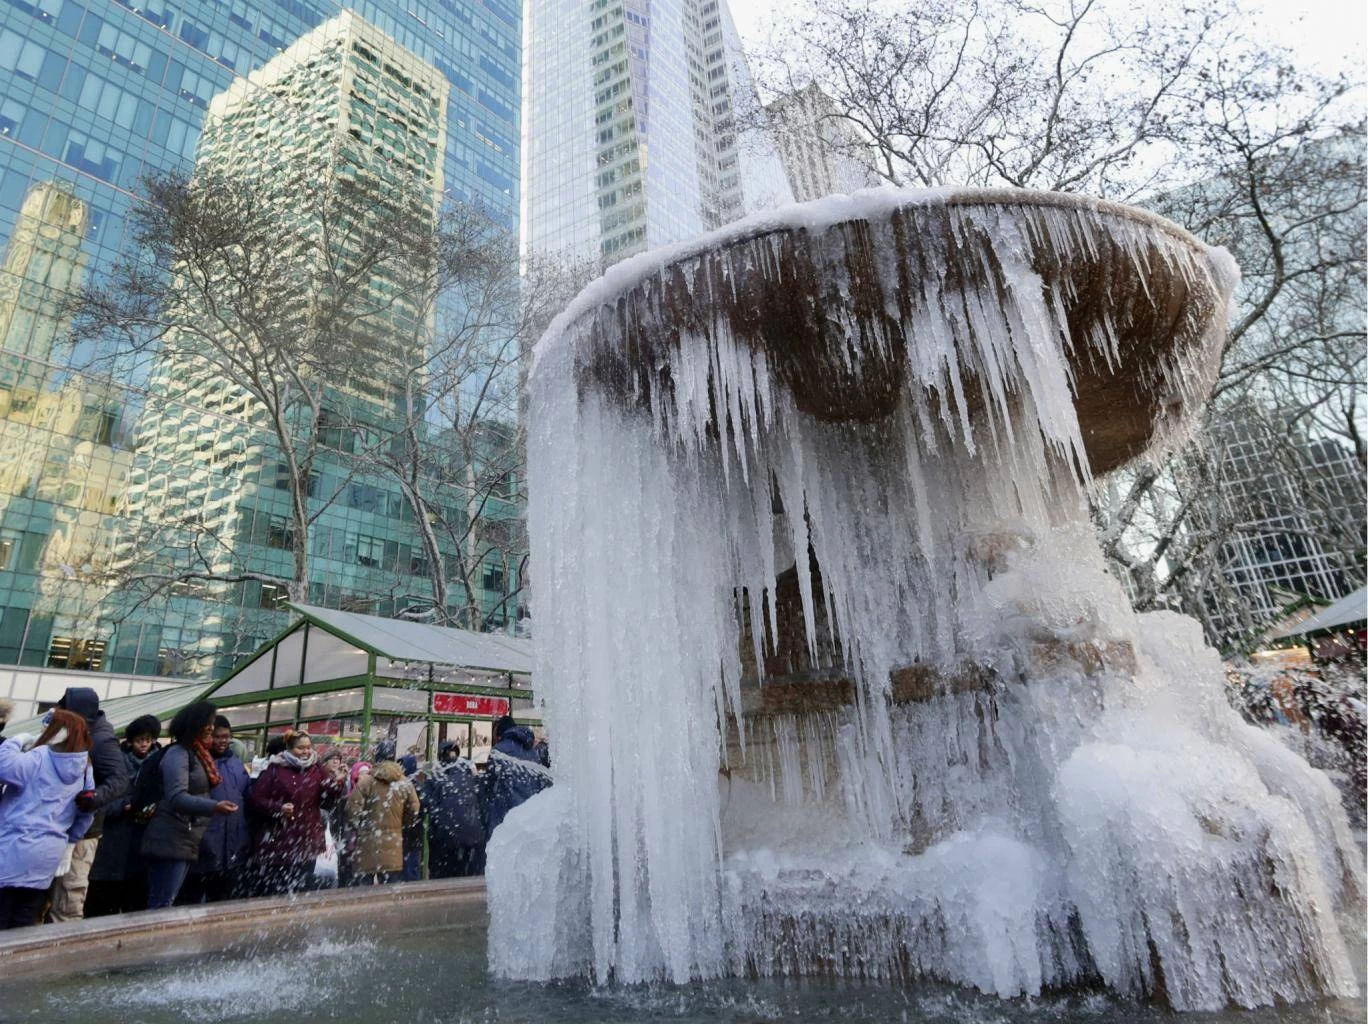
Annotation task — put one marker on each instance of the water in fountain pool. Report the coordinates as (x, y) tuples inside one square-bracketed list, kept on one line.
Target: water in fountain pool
[(440, 976)]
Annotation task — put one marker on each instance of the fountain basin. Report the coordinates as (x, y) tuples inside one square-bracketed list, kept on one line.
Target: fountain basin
[(408, 971), (837, 300), (235, 927)]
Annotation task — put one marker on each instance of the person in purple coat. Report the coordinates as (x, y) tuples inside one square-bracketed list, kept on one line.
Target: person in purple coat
[(288, 800), (40, 822)]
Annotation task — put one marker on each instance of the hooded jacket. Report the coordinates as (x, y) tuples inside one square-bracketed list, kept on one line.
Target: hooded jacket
[(117, 857), (106, 758), (454, 802), (514, 774), (38, 814), (226, 841), (379, 808)]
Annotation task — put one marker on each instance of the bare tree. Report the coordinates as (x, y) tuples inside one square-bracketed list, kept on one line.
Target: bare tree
[(263, 313), (454, 454), (1169, 106), (460, 458)]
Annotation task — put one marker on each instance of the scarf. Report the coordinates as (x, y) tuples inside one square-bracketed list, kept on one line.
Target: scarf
[(297, 762), (206, 759)]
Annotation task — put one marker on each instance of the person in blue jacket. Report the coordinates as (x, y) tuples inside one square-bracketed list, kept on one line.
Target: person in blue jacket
[(223, 851), (40, 820), (514, 772)]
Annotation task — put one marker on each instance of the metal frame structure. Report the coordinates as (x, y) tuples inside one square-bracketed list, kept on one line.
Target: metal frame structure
[(330, 665)]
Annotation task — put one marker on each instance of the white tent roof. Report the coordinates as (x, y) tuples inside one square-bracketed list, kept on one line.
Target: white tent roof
[(1350, 609), (406, 641), (163, 703)]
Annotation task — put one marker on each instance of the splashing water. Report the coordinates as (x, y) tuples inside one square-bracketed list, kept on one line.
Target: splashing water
[(1027, 784)]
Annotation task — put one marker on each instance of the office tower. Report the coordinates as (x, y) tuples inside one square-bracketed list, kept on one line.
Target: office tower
[(343, 106), (640, 127), (60, 476), (822, 153), (93, 95), (1288, 510)]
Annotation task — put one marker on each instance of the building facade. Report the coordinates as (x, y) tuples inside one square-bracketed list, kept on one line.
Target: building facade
[(633, 134), (1288, 510), (822, 153), (94, 96)]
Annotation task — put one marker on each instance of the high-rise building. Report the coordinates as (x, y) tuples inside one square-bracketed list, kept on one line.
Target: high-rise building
[(94, 95), (1288, 511), (356, 122), (60, 476), (822, 153), (632, 137)]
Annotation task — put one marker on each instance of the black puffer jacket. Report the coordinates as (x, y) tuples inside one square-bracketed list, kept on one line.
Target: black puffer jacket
[(106, 758), (184, 811)]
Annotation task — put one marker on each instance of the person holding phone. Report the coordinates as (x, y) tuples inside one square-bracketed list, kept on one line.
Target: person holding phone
[(171, 843)]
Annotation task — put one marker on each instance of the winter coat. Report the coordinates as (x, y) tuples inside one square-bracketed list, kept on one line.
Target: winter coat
[(379, 808), (453, 799), (184, 811), (38, 814), (513, 775), (117, 857), (226, 841), (106, 757), (290, 842)]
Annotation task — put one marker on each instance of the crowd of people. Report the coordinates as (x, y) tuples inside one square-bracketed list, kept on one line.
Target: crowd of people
[(91, 825)]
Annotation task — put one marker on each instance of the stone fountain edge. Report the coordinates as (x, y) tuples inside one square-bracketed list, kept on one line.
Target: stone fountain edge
[(144, 938)]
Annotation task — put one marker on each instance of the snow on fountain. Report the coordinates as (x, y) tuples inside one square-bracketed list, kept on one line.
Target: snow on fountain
[(900, 400)]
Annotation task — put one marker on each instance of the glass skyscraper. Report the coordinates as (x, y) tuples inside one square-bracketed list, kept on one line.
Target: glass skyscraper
[(641, 127), (95, 94)]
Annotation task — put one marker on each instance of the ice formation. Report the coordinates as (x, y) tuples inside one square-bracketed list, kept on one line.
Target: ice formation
[(1028, 784)]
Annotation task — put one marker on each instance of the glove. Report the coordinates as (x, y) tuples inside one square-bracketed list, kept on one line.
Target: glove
[(64, 866), (25, 740), (85, 801)]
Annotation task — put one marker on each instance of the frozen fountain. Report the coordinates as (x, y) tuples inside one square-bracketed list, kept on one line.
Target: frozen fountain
[(840, 683)]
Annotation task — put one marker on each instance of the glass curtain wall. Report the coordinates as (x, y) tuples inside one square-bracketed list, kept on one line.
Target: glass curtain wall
[(116, 471)]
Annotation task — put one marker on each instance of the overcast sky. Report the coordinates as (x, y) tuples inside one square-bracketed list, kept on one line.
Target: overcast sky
[(1330, 33)]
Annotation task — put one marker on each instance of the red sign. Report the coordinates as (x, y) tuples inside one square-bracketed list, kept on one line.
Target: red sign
[(469, 705)]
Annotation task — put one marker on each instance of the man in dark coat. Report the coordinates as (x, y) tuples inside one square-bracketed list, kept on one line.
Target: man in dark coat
[(223, 849), (111, 781), (514, 773), (452, 801)]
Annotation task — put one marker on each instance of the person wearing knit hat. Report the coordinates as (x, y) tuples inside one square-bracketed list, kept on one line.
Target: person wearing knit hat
[(346, 836), (118, 881), (357, 769)]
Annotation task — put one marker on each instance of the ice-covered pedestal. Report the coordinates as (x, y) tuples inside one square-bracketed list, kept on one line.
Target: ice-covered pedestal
[(838, 678)]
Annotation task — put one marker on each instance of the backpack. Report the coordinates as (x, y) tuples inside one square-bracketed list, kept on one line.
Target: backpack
[(147, 785)]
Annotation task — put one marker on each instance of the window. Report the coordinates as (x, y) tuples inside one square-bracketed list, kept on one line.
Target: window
[(273, 596), (96, 425), (370, 551), (493, 579), (280, 533), (76, 653), (9, 545)]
